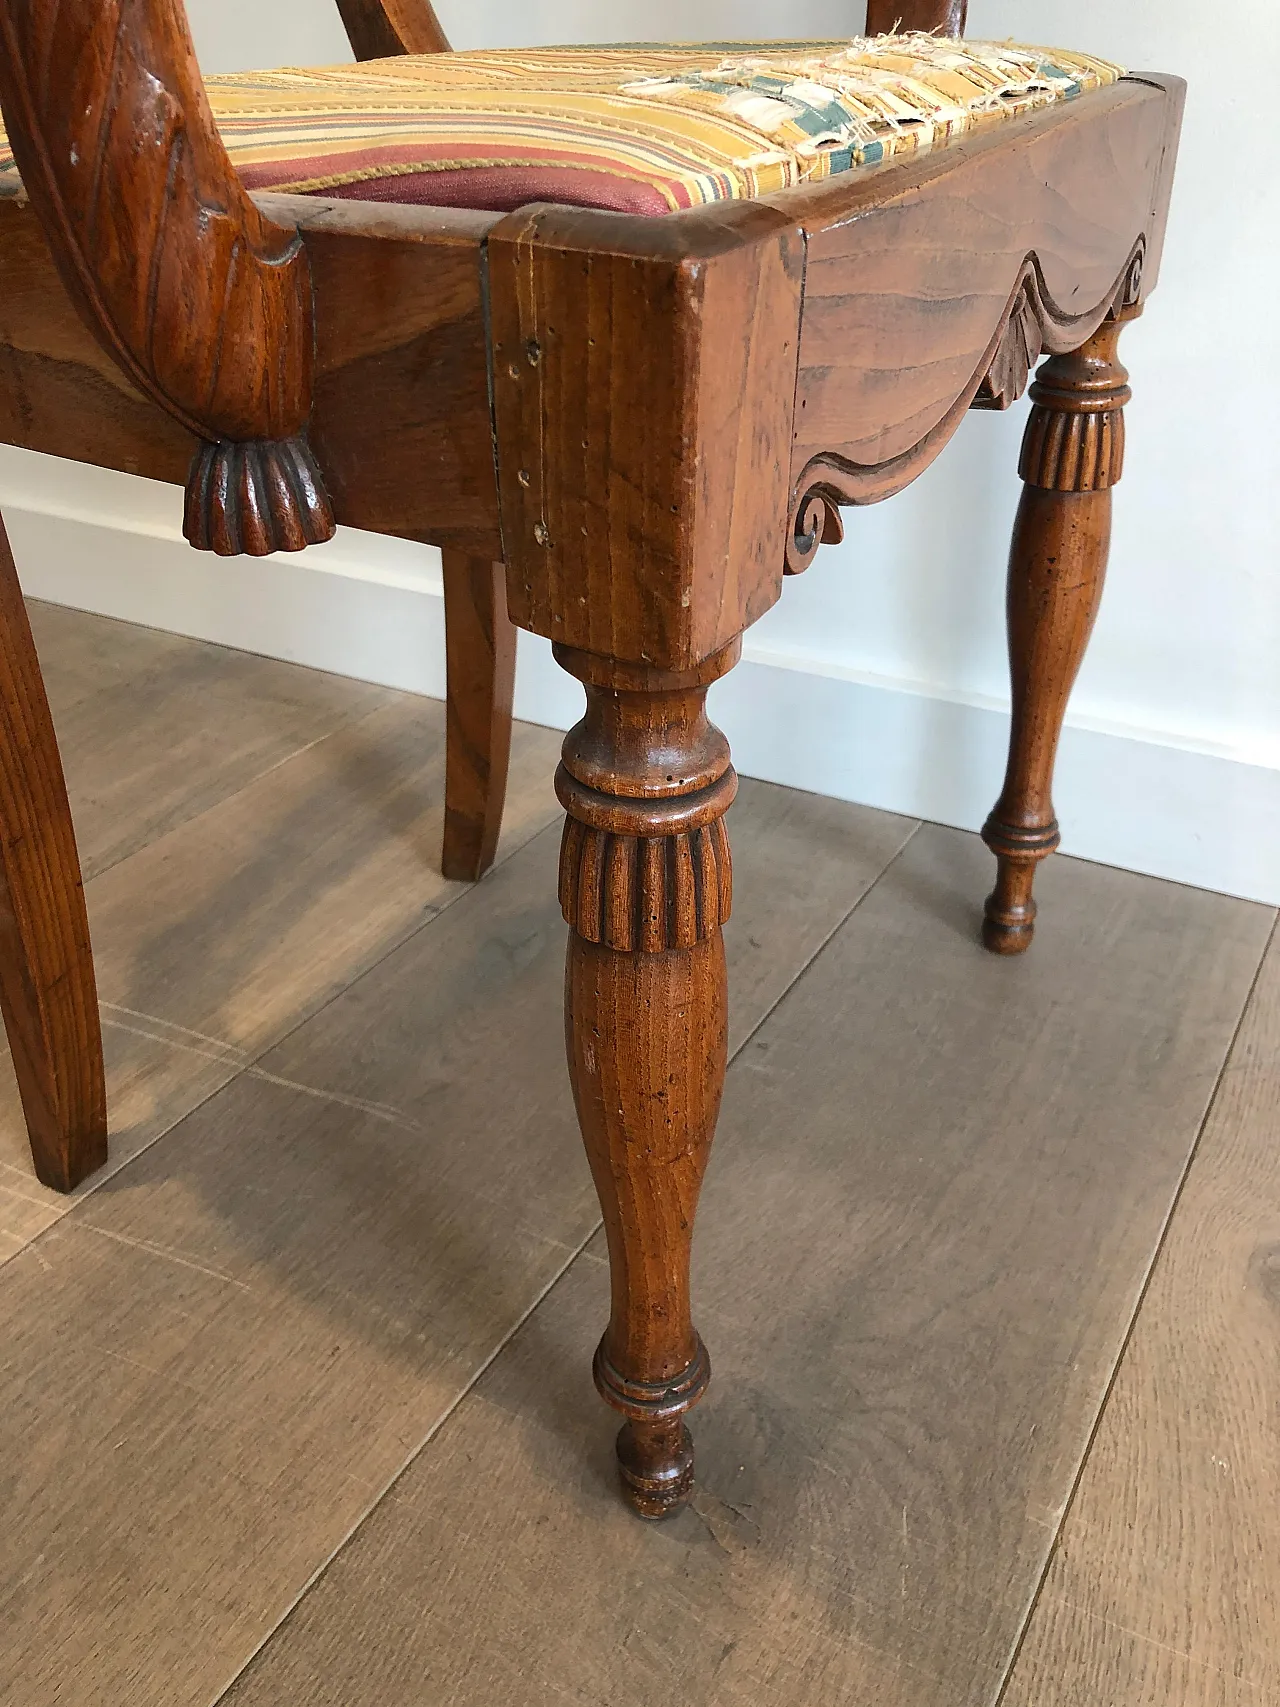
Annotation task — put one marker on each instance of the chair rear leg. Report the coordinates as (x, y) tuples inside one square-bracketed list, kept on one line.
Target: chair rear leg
[(47, 987), (480, 642), (1072, 456)]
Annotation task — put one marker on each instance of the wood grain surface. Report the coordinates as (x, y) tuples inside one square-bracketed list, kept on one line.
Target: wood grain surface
[(156, 1073), (243, 920), (47, 989), (1163, 1586), (947, 16), (378, 29), (646, 886), (1072, 457), (402, 423), (480, 644), (274, 1308), (59, 389), (644, 378), (400, 366), (199, 298), (911, 269), (922, 1233), (156, 728), (938, 1183), (141, 714)]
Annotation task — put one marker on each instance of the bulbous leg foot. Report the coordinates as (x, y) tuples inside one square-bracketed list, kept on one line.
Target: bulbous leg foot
[(655, 1463), (1009, 917)]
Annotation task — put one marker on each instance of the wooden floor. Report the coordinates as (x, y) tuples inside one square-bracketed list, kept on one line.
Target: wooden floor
[(295, 1405)]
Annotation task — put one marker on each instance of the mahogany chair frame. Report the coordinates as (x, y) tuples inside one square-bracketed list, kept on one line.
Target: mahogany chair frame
[(469, 379)]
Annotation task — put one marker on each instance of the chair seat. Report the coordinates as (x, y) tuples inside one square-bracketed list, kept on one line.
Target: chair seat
[(643, 129)]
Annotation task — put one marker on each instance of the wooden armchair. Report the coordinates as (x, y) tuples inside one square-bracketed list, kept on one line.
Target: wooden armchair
[(649, 421)]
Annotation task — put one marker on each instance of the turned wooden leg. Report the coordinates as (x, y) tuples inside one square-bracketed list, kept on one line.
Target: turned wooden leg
[(645, 885), (480, 642), (47, 988), (1072, 456)]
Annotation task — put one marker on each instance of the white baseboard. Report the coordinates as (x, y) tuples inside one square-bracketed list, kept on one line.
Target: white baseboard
[(373, 608)]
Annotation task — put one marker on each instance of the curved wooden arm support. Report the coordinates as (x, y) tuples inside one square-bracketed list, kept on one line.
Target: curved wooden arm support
[(200, 299), (381, 29)]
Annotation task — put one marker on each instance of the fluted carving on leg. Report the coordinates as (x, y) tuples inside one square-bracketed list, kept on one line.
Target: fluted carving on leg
[(1072, 456), (646, 884), (643, 894), (1074, 440)]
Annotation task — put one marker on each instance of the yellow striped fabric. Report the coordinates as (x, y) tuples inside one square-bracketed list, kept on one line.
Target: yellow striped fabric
[(648, 128)]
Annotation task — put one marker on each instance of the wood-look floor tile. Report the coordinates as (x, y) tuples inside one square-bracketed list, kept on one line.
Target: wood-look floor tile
[(23, 1213), (81, 653), (220, 1358), (245, 919), (937, 1187), (215, 936), (155, 728), (1163, 1588), (152, 1081), (387, 1028)]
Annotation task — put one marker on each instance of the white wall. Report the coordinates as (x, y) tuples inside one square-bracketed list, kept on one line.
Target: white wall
[(881, 675)]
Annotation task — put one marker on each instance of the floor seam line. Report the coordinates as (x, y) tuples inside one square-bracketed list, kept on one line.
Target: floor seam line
[(439, 1423), (74, 1200), (830, 937), (1132, 1325), (215, 805), (253, 1060), (248, 1064), (249, 1059)]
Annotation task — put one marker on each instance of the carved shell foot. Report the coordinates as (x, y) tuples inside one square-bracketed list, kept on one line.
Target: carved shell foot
[(257, 497)]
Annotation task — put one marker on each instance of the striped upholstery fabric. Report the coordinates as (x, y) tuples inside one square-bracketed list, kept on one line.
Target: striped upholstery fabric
[(643, 129)]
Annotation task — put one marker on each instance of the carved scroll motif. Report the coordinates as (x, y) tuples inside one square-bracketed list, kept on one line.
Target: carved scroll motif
[(1016, 355), (1031, 324), (815, 520)]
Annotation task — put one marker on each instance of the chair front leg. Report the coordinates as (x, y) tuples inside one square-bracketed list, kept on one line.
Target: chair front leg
[(1072, 456), (47, 987), (480, 643), (645, 884)]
